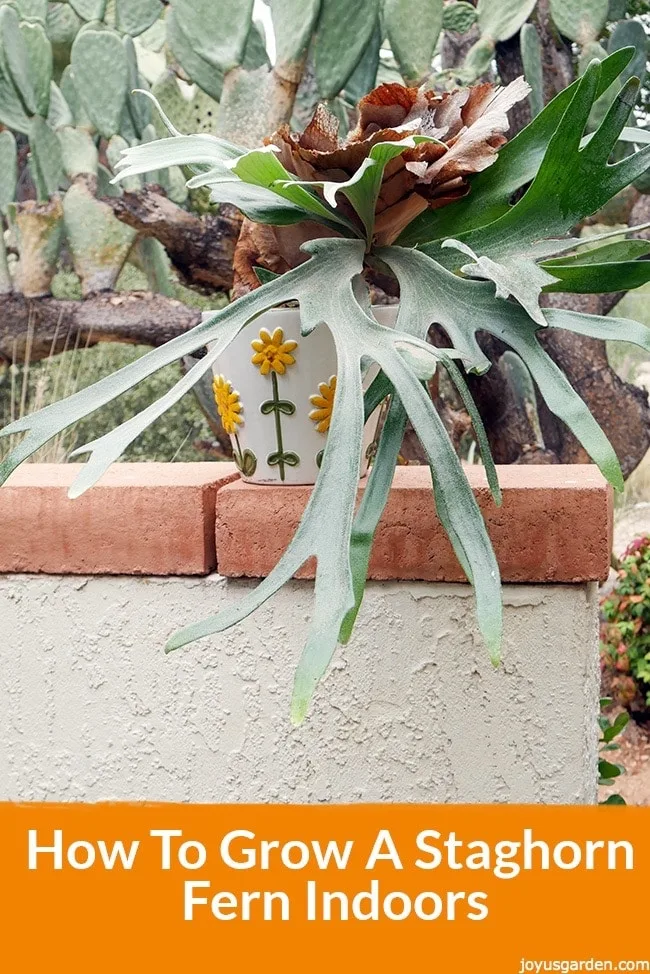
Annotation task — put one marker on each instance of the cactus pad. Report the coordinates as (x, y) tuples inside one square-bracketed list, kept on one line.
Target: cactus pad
[(101, 77), (501, 19), (458, 16), (580, 20), (135, 16), (99, 243), (78, 152), (8, 170), (39, 54)]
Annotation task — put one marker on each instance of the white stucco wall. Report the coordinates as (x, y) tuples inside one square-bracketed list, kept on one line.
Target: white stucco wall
[(91, 709)]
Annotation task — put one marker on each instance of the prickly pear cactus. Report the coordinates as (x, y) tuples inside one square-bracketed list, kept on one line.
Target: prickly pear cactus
[(89, 10), (98, 242), (39, 232), (101, 76), (498, 20), (189, 111), (38, 50), (8, 170), (458, 16), (34, 10), (79, 154), (580, 20), (531, 56), (413, 28), (45, 158), (216, 31), (501, 19), (135, 16)]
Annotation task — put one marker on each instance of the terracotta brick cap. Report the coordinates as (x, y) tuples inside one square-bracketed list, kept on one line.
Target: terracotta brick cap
[(140, 519), (555, 525)]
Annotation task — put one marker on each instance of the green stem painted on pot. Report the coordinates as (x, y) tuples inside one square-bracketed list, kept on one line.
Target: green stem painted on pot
[(279, 406), (278, 425)]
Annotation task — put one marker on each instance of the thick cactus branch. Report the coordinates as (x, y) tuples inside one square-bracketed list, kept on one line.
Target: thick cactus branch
[(49, 325), (200, 248)]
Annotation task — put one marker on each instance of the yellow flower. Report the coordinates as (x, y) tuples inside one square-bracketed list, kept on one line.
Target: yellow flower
[(228, 403), (272, 352), (324, 403)]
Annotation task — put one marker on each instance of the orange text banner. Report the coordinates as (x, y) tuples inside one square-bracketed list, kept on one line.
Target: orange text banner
[(144, 887)]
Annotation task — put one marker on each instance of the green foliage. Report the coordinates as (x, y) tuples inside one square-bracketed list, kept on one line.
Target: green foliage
[(626, 632), (78, 152), (608, 772), (16, 58), (510, 253)]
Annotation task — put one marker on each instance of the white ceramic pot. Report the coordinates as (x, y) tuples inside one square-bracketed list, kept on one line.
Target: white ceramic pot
[(274, 390)]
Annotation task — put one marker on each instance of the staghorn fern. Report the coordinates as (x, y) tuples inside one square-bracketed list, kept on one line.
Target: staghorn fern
[(510, 250)]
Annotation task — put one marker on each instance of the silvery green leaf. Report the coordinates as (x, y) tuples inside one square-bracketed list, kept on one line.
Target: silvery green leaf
[(573, 181), (325, 287), (519, 277), (180, 150), (464, 308)]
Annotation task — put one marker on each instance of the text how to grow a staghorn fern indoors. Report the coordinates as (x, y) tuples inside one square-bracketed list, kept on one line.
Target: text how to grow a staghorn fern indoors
[(419, 191)]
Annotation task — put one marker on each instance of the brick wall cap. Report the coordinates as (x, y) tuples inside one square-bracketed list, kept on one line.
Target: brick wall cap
[(555, 525)]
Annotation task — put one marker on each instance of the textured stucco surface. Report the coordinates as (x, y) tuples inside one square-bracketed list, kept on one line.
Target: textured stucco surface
[(91, 709)]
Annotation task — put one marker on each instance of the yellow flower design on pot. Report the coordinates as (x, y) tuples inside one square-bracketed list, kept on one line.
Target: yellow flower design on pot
[(272, 352), (230, 411), (323, 402), (228, 403)]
